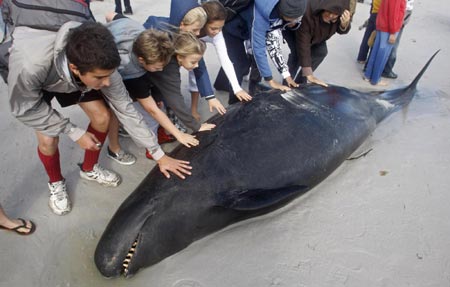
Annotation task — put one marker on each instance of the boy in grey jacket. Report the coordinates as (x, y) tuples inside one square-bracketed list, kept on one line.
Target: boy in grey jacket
[(76, 65)]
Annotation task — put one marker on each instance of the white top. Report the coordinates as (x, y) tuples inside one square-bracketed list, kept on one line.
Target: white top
[(221, 49)]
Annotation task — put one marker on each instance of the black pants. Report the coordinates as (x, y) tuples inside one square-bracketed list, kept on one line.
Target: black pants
[(72, 98), (318, 53), (119, 5), (290, 37), (364, 47)]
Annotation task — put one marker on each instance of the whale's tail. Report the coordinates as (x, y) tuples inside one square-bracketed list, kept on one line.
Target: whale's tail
[(413, 84), (401, 97)]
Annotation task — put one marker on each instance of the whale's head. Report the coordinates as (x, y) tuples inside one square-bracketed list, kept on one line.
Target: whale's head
[(157, 220)]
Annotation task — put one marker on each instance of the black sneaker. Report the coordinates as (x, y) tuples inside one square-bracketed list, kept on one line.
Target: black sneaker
[(390, 75), (128, 11)]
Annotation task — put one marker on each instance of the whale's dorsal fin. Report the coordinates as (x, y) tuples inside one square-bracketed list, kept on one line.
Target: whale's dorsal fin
[(254, 199)]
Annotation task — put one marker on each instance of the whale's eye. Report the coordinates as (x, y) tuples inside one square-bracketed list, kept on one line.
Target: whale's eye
[(128, 258)]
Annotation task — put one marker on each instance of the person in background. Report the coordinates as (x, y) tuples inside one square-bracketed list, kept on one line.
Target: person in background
[(388, 72), (254, 23), (127, 11), (370, 28), (212, 33), (323, 18), (389, 21)]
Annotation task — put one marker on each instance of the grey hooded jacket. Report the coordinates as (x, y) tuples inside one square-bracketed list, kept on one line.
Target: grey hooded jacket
[(37, 62), (125, 31)]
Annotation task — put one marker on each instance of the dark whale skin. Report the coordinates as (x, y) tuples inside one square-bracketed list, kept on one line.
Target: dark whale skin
[(261, 155)]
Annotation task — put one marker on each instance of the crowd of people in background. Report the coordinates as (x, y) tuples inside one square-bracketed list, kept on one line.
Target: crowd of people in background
[(125, 75)]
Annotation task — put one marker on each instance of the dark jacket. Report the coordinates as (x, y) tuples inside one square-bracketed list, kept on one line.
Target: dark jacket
[(314, 30)]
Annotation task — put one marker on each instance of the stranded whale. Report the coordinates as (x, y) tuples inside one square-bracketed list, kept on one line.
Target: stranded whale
[(261, 155)]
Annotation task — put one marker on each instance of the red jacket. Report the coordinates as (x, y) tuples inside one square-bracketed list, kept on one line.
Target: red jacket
[(390, 15)]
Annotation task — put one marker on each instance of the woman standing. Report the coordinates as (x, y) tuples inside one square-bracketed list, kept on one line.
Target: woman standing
[(389, 22)]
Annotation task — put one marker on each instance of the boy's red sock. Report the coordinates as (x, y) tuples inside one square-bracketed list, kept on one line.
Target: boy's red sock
[(51, 165), (91, 157)]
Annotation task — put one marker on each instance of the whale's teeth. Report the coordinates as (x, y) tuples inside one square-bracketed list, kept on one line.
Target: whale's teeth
[(127, 260)]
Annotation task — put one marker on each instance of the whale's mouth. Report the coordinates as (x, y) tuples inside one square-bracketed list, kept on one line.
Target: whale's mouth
[(127, 261)]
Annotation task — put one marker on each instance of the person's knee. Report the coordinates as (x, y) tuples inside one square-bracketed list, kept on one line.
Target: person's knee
[(101, 119), (48, 145)]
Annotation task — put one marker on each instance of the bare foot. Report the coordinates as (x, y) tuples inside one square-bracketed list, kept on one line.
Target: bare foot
[(382, 83)]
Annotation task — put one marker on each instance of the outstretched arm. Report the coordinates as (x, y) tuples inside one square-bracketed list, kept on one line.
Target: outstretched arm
[(273, 40), (150, 106), (227, 65), (258, 38), (205, 88)]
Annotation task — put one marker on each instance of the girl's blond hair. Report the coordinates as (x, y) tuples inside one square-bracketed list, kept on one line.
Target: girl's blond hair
[(186, 44), (197, 14)]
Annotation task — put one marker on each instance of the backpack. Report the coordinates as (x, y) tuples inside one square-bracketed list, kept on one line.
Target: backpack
[(234, 7), (38, 14), (44, 14)]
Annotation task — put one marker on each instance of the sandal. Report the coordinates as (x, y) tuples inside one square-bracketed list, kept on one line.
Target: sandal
[(29, 231)]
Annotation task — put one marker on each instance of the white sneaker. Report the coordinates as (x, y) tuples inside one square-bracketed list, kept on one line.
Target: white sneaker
[(59, 201), (101, 175), (121, 157)]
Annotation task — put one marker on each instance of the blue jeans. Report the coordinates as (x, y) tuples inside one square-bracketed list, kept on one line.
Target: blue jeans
[(393, 56), (378, 57)]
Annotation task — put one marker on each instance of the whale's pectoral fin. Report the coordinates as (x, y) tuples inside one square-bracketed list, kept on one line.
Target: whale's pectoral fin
[(257, 198)]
